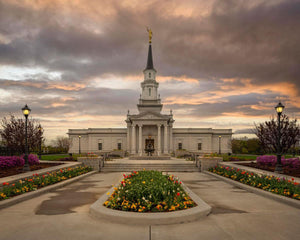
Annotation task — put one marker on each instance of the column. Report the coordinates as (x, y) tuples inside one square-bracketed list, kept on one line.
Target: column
[(140, 140), (128, 139), (158, 140), (165, 138), (133, 140), (171, 138)]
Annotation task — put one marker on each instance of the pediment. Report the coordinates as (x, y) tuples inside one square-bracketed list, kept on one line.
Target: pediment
[(149, 115)]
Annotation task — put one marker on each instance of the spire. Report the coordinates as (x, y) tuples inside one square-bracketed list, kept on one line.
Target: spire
[(149, 60)]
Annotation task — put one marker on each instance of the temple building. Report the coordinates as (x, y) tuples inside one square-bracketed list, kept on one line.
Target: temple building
[(150, 131)]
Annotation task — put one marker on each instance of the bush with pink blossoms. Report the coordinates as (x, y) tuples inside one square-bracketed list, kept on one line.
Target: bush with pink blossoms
[(16, 161), (271, 160)]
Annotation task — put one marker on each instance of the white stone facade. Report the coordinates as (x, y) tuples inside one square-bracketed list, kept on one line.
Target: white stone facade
[(150, 128)]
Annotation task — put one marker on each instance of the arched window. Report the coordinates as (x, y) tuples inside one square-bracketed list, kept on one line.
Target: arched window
[(149, 91)]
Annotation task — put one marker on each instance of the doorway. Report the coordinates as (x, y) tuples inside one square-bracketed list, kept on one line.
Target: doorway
[(149, 146)]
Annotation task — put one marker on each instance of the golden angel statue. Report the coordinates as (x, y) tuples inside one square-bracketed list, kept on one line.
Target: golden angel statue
[(150, 34)]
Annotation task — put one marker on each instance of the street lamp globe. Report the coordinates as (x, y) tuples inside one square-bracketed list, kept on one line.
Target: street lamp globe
[(279, 108), (26, 110)]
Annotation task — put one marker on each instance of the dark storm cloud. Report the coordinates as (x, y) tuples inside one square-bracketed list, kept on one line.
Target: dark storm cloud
[(234, 41)]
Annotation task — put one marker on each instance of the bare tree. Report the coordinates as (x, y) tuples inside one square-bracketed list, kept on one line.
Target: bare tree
[(62, 143), (267, 134), (13, 134)]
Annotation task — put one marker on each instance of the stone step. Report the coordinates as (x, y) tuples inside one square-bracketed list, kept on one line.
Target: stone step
[(119, 167), (149, 158), (158, 169)]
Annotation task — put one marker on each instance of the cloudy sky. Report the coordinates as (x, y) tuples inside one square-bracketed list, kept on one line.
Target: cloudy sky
[(78, 63)]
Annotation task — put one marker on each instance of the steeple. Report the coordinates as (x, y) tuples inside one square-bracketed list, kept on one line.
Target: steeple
[(149, 99), (150, 59)]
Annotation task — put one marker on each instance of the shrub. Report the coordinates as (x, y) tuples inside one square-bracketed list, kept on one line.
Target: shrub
[(17, 161), (271, 160)]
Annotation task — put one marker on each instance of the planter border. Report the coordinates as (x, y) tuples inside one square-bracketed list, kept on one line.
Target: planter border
[(282, 199), (29, 195), (99, 211)]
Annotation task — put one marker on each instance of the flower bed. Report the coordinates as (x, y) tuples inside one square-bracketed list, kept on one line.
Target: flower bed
[(38, 181), (16, 161), (272, 184), (149, 191)]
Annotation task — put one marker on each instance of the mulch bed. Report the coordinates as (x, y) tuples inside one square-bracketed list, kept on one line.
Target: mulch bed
[(18, 170), (294, 172)]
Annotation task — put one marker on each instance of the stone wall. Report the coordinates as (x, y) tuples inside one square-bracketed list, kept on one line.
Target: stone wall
[(204, 163), (95, 162)]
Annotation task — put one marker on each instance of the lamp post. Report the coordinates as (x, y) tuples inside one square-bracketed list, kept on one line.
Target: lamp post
[(79, 137), (40, 141), (220, 144), (26, 111), (278, 168)]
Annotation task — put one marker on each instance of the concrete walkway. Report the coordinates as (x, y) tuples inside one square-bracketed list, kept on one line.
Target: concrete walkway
[(64, 214)]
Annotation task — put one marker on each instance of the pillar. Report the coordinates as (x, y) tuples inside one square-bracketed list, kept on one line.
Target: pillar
[(128, 138), (158, 140), (165, 138), (140, 140), (171, 138), (133, 151)]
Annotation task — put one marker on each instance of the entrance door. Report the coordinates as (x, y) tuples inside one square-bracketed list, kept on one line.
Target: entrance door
[(149, 143), (149, 147)]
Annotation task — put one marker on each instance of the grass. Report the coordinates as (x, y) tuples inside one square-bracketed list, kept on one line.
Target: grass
[(54, 157)]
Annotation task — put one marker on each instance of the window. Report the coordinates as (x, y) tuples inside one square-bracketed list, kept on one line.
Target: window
[(149, 91), (179, 145), (99, 146), (149, 75), (119, 146), (199, 146)]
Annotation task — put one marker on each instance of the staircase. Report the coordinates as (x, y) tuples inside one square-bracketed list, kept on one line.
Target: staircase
[(165, 166)]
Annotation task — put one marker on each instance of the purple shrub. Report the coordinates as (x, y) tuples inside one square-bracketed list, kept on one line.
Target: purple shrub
[(16, 161), (266, 160), (271, 160), (33, 159)]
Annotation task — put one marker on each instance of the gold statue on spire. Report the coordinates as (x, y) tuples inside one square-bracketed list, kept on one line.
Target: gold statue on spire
[(150, 34)]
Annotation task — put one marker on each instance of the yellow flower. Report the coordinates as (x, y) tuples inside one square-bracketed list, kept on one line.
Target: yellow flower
[(143, 182), (108, 193)]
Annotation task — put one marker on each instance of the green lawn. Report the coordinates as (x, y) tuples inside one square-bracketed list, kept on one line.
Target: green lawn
[(54, 157), (249, 157)]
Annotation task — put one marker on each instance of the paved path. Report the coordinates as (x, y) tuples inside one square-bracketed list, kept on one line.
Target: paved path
[(64, 214)]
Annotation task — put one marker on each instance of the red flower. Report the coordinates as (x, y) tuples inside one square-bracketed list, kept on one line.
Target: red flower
[(293, 179), (295, 183), (243, 172), (178, 194), (180, 182)]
